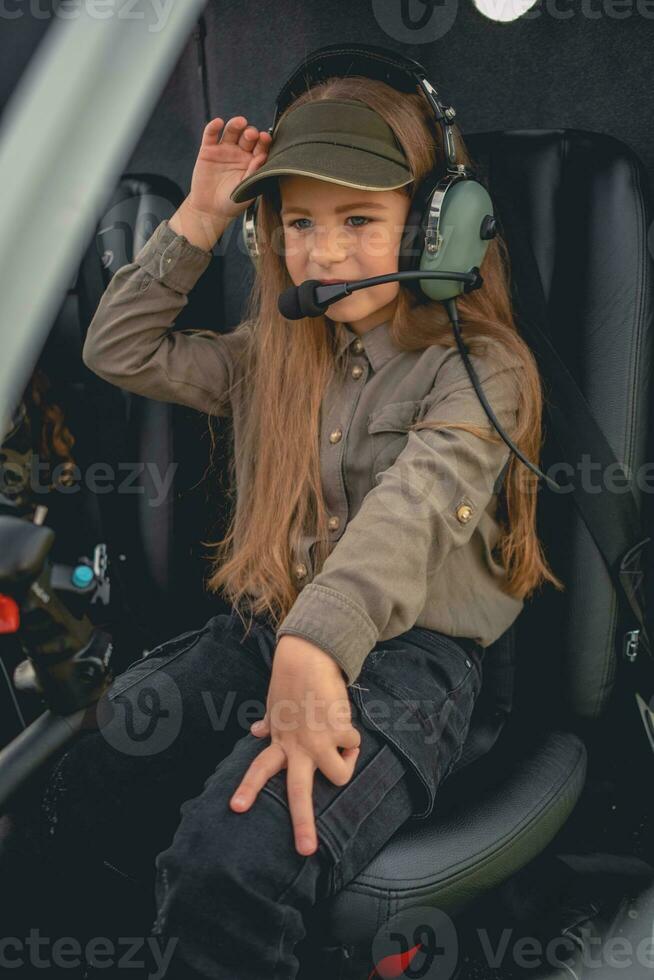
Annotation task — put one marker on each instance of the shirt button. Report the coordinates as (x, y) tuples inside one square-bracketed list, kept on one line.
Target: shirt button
[(335, 436), (463, 513), (301, 570), (334, 523), (357, 347), (357, 371)]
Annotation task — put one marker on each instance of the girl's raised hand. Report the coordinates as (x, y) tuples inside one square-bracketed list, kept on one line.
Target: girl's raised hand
[(221, 166)]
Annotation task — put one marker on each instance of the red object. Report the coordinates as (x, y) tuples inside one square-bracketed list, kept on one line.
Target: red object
[(395, 965), (9, 615)]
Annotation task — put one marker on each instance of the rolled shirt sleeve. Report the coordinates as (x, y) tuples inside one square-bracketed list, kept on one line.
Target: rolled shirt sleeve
[(130, 343), (172, 259), (375, 582)]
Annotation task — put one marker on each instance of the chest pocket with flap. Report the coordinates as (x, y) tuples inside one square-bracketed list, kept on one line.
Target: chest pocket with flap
[(388, 429)]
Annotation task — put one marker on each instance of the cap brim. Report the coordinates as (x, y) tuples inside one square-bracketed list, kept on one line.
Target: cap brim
[(343, 165)]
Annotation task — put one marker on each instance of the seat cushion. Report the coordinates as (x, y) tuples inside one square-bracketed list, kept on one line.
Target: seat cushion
[(473, 841)]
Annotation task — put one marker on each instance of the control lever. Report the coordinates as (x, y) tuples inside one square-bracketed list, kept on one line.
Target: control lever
[(68, 658)]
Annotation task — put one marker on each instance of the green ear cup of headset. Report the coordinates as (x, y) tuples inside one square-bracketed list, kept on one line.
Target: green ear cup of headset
[(465, 228)]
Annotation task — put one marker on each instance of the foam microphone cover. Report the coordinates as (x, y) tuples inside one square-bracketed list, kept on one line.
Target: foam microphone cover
[(288, 304), (299, 301)]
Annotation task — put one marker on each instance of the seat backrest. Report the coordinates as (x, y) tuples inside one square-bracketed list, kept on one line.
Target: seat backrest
[(587, 208), (157, 533)]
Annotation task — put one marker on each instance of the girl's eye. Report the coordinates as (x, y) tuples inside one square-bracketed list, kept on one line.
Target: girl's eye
[(356, 217)]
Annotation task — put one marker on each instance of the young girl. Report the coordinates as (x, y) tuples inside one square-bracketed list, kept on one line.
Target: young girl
[(374, 542)]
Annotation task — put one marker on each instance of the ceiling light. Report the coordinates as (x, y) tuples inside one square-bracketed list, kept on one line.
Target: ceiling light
[(503, 10)]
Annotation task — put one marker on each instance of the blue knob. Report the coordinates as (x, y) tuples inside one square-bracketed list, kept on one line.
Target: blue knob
[(82, 576)]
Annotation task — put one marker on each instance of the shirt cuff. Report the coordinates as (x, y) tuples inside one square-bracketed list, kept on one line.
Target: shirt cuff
[(172, 259), (333, 622)]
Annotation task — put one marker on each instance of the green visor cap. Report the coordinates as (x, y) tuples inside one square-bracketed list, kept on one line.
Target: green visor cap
[(338, 140)]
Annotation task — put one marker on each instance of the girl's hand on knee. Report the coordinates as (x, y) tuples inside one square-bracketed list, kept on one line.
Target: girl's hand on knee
[(309, 719)]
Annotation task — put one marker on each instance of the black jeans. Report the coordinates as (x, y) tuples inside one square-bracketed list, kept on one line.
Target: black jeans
[(147, 794)]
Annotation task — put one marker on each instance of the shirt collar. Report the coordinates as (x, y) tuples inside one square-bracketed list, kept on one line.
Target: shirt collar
[(377, 343)]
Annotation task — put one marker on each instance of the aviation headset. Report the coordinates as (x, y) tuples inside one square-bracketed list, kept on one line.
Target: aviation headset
[(451, 218)]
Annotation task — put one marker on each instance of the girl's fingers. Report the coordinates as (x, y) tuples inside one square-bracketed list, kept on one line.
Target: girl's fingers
[(299, 791), (350, 756), (212, 131), (233, 129), (260, 728), (350, 738), (237, 131), (253, 165), (337, 767), (263, 145), (259, 161), (265, 766), (249, 137)]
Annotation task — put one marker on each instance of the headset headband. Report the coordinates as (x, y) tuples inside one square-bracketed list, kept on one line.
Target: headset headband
[(396, 70)]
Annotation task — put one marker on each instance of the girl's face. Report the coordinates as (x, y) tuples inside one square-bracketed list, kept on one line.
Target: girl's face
[(337, 232)]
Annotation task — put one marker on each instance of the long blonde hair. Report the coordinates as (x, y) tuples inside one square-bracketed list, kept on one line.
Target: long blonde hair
[(252, 564)]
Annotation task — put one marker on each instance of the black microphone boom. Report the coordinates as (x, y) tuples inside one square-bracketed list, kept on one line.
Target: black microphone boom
[(312, 298)]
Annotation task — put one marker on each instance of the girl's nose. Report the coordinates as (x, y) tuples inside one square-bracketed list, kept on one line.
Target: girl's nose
[(328, 246)]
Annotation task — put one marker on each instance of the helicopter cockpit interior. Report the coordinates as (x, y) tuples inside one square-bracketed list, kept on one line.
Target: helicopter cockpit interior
[(539, 858)]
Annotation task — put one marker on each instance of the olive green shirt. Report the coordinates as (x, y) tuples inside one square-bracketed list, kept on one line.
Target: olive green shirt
[(412, 513)]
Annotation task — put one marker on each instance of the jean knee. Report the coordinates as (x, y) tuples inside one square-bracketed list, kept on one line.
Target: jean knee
[(76, 801), (100, 805), (224, 854)]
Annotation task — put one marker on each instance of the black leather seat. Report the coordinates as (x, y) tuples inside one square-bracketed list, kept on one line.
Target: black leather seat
[(548, 680)]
